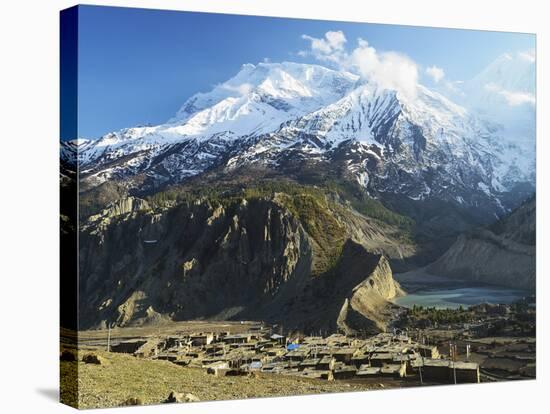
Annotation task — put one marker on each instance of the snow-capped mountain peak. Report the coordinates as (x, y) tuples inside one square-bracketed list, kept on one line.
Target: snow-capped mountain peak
[(512, 72), (303, 85)]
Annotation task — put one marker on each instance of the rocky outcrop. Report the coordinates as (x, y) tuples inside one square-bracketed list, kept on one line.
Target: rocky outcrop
[(367, 307), (120, 207), (238, 258), (502, 254), (352, 297)]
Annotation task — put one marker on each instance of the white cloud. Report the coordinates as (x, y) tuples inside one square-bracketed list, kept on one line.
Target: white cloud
[(518, 98), (336, 39), (331, 43), (318, 45), (436, 73), (390, 70), (528, 55), (513, 98), (396, 71), (242, 89)]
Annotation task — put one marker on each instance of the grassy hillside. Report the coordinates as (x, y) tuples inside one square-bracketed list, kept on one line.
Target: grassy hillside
[(121, 377)]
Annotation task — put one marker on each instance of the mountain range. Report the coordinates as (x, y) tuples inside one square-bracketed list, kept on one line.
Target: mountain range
[(276, 115)]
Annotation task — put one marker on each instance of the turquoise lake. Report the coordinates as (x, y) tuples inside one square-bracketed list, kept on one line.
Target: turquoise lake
[(431, 291), (454, 298)]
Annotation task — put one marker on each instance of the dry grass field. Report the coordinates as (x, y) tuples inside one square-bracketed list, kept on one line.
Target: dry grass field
[(121, 377)]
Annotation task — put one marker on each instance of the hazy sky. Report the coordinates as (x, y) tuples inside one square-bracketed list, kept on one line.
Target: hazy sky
[(138, 66)]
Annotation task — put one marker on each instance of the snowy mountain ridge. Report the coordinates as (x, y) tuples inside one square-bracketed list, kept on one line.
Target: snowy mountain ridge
[(426, 146)]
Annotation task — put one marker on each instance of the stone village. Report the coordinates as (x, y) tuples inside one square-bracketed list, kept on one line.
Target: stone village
[(336, 357)]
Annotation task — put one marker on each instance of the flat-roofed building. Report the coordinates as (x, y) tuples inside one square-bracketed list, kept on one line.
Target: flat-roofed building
[(309, 363), (380, 359), (298, 354), (360, 359), (326, 363), (278, 339), (366, 371), (128, 347), (342, 371), (466, 372), (393, 370), (275, 352), (444, 371), (237, 338), (201, 339), (344, 354)]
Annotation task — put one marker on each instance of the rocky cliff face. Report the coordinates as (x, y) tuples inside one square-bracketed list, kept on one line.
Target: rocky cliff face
[(502, 254), (194, 261), (237, 258), (367, 308)]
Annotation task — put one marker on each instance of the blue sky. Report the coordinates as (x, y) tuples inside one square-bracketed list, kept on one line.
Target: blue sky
[(138, 66)]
